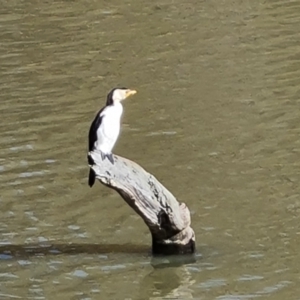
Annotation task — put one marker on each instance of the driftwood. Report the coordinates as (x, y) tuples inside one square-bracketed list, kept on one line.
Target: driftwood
[(168, 220)]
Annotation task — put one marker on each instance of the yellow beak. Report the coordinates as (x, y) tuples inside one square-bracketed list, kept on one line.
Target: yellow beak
[(130, 93)]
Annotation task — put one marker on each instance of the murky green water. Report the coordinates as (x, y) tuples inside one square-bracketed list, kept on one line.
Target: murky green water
[(216, 119)]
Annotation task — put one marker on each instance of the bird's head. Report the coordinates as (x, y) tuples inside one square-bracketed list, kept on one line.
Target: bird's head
[(119, 94)]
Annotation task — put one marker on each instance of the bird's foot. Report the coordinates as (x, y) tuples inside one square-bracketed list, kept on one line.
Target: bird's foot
[(109, 157), (103, 155)]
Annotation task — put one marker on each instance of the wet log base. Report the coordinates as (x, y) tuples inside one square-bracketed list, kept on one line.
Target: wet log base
[(168, 220)]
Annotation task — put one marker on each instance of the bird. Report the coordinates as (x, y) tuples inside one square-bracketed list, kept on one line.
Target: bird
[(105, 128)]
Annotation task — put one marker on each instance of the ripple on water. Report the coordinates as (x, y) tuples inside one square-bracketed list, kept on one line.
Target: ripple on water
[(212, 283), (4, 276), (250, 278), (5, 256), (80, 274), (14, 182), (74, 227), (155, 133), (237, 297), (24, 262), (50, 161), (9, 296), (274, 288), (32, 174), (42, 239), (255, 254), (54, 251), (21, 148), (113, 268), (5, 242)]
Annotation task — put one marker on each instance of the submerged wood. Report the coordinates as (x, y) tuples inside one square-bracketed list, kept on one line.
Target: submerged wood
[(168, 220)]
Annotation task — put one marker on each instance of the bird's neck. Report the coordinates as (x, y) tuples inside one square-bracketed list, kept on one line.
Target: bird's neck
[(118, 107)]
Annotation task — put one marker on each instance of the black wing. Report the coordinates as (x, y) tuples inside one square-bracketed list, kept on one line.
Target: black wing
[(93, 129)]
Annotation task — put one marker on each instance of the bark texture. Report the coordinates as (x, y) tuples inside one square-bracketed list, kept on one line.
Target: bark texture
[(168, 220)]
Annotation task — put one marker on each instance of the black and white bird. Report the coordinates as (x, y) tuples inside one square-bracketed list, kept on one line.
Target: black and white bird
[(105, 128)]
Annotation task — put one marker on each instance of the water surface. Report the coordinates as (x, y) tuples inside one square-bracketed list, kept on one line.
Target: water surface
[(215, 119)]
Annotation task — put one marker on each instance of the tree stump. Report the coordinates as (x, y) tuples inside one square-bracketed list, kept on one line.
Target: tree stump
[(168, 220)]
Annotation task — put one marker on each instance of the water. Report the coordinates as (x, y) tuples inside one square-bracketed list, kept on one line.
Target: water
[(215, 119)]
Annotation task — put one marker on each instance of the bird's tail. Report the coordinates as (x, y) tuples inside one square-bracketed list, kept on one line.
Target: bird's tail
[(92, 177)]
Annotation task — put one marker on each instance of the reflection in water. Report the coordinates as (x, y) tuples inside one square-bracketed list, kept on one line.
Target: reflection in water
[(167, 283), (215, 119), (66, 249)]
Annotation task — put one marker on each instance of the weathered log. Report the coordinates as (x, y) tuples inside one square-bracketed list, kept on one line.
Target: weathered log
[(168, 220)]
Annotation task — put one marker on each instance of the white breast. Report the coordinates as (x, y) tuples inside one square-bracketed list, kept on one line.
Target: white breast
[(109, 129)]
